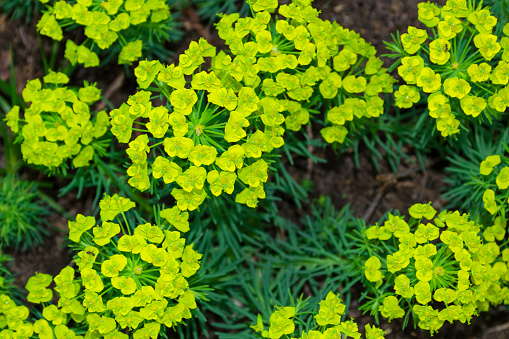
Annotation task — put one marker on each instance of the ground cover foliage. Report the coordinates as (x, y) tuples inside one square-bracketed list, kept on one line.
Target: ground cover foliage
[(195, 223)]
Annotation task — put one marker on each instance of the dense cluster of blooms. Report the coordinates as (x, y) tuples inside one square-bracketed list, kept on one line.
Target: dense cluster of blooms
[(307, 61), (442, 271), (58, 125), (463, 65), (106, 23), (205, 132), (327, 319), (216, 127), (126, 277)]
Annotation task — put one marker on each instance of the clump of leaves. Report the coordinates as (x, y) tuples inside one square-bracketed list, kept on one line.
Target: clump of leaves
[(23, 225), (445, 259), (17, 9), (461, 69), (130, 28), (465, 183), (7, 285), (208, 9)]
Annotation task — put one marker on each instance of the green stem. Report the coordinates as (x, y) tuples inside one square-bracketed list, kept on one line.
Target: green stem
[(163, 90), (154, 145), (11, 150), (122, 185), (54, 53), (485, 89), (127, 224), (43, 55)]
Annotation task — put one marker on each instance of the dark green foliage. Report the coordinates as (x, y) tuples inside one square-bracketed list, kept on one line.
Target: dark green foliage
[(9, 98), (209, 9), (105, 176), (283, 181), (394, 136), (19, 9), (7, 285), (262, 266), (465, 183), (23, 224)]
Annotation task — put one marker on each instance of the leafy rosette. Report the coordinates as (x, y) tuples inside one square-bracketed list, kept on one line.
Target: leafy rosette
[(206, 140), (436, 267), (322, 324), (113, 24), (212, 131), (123, 278), (307, 62), (127, 276), (461, 63), (59, 124)]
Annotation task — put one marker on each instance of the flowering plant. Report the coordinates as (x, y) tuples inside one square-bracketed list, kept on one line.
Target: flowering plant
[(127, 276), (463, 68), (217, 127), (58, 125), (436, 268), (210, 126), (306, 60), (324, 323), (109, 25), (492, 183)]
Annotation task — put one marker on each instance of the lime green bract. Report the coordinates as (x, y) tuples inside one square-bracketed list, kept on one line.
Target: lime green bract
[(216, 127), (464, 64), (124, 277)]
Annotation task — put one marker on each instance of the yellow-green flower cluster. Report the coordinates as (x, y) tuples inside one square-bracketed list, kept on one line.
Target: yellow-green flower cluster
[(328, 320), (13, 320), (58, 125), (124, 278), (306, 60), (105, 23), (216, 126), (134, 277), (442, 269), (203, 143), (464, 66)]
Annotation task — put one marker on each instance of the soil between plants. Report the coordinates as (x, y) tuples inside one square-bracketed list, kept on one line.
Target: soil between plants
[(368, 192)]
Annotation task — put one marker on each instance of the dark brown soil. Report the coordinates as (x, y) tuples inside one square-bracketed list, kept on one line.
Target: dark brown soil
[(369, 193), (374, 20)]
